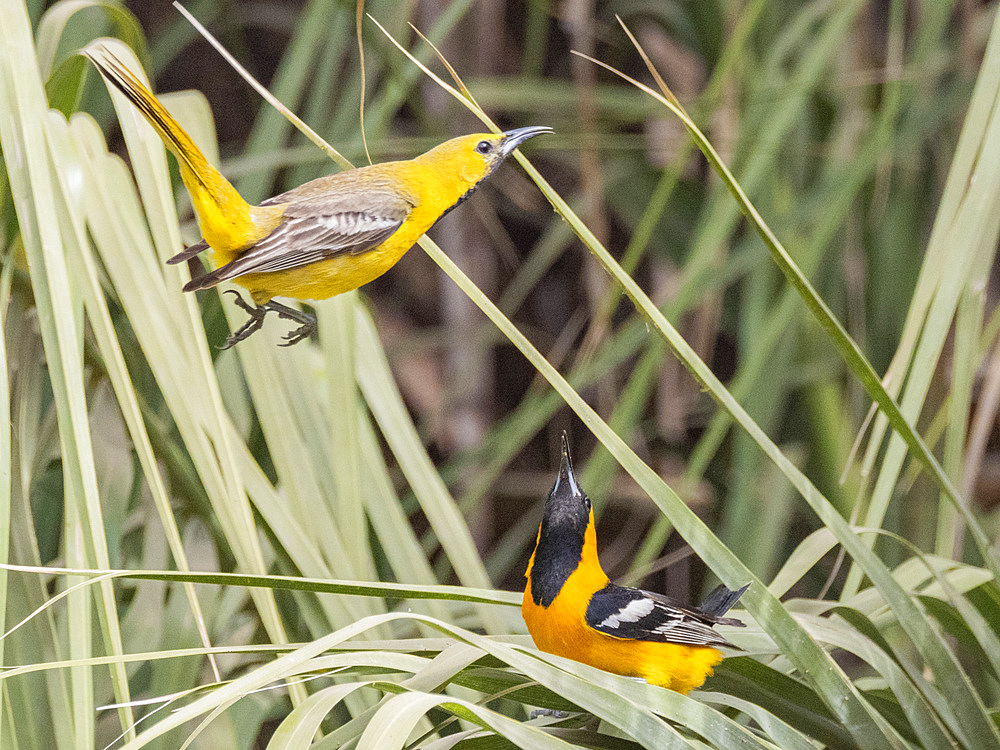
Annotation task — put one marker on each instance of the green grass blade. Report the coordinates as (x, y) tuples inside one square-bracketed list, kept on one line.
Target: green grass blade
[(297, 583), (34, 190), (85, 271), (960, 253), (6, 474), (849, 350), (386, 403), (338, 345)]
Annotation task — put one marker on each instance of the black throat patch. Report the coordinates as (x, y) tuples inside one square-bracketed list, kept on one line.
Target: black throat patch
[(557, 555), (465, 196)]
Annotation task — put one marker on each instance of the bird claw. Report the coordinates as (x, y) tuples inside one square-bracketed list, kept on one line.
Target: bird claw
[(250, 327), (241, 303), (304, 331), (243, 332), (299, 334), (256, 321)]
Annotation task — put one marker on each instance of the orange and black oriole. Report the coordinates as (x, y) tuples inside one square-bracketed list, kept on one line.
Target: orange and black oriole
[(323, 238), (573, 610)]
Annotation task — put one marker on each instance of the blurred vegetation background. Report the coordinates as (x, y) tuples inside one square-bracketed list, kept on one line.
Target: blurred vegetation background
[(792, 119), (840, 120)]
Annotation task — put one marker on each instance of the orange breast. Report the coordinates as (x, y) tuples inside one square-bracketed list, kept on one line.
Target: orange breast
[(562, 630)]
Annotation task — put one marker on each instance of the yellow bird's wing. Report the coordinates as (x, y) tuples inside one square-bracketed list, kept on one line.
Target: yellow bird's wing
[(317, 228)]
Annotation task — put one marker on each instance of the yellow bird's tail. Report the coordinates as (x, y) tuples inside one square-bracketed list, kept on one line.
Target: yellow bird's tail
[(228, 223)]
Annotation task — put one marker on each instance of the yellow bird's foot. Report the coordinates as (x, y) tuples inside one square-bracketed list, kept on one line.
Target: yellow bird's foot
[(304, 331), (257, 314), (251, 326)]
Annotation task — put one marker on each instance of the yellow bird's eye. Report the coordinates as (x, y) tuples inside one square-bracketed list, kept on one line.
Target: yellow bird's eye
[(484, 147)]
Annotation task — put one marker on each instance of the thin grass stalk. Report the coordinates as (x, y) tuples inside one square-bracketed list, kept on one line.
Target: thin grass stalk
[(285, 583), (6, 474), (968, 324)]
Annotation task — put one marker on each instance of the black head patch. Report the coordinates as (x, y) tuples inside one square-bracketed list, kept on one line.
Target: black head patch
[(562, 534)]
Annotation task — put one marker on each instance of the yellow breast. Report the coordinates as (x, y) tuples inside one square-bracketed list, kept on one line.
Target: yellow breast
[(432, 195)]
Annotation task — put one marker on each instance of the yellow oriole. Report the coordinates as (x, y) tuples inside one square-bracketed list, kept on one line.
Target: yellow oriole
[(323, 238), (573, 610)]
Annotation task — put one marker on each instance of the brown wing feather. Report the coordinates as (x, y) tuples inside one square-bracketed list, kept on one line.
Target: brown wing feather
[(318, 228), (188, 253)]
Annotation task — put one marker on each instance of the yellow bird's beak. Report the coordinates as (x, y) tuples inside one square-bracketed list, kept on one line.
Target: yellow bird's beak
[(514, 138)]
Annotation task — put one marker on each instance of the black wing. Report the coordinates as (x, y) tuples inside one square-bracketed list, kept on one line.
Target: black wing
[(316, 229), (646, 616)]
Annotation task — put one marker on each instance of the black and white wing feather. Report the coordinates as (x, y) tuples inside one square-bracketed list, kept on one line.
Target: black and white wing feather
[(646, 616), (349, 223)]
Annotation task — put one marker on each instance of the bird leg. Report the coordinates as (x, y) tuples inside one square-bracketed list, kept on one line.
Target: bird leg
[(257, 314), (304, 331), (251, 326)]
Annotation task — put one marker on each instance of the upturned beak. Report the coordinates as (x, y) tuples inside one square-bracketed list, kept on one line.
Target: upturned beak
[(514, 138), (566, 481)]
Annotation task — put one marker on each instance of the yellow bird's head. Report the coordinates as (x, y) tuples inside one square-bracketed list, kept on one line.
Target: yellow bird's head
[(470, 159)]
